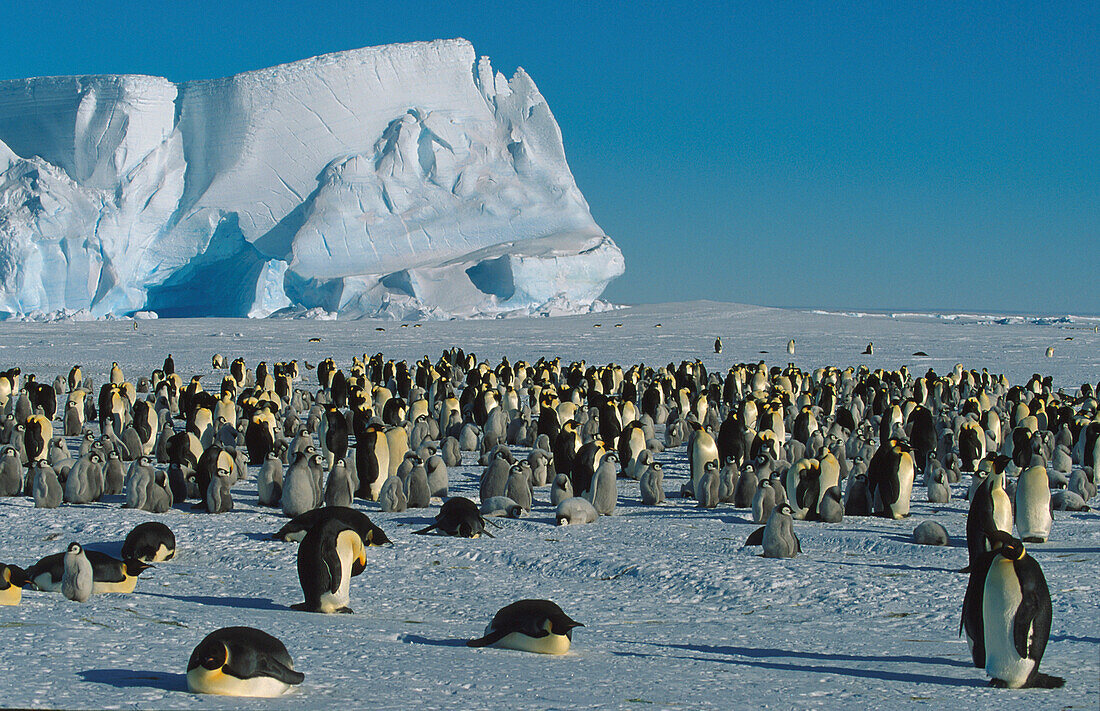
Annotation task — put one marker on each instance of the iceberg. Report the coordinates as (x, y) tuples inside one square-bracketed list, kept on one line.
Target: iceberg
[(403, 180)]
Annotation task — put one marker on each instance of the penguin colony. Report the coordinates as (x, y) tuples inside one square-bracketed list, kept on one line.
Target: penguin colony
[(785, 445)]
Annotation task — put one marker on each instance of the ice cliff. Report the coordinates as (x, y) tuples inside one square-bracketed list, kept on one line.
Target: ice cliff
[(407, 180)]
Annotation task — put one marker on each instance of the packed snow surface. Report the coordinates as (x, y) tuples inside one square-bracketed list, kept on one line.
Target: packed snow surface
[(408, 179), (677, 613)]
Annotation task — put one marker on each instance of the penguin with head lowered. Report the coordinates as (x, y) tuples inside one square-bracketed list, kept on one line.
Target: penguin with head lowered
[(330, 554), (530, 626), (241, 661), (1006, 616)]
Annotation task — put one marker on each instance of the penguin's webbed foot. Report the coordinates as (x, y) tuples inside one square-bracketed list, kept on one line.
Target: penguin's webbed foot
[(998, 684), (345, 611)]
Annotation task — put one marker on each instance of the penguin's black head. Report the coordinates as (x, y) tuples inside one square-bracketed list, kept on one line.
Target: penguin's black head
[(74, 547), (562, 624), (210, 655), (1009, 547)]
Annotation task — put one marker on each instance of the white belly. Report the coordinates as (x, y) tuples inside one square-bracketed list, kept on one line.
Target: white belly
[(1001, 598), (550, 644), (1002, 510), (1033, 520), (906, 474), (204, 681)]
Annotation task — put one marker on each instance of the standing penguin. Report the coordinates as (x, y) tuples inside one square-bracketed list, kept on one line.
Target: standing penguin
[(780, 540), (706, 489), (890, 476), (46, 489), (372, 461), (328, 557), (392, 495), (1006, 616), (561, 489), (269, 482), (339, 488), (603, 492), (652, 485), (701, 449), (763, 501), (1033, 511), (218, 498), (299, 489), (76, 581), (990, 511)]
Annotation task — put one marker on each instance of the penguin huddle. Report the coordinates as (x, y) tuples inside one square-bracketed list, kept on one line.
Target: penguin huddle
[(792, 448)]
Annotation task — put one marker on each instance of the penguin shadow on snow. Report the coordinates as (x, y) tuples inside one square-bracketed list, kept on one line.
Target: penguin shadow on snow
[(249, 603), (757, 657), (417, 639), (952, 541), (895, 566), (136, 679)]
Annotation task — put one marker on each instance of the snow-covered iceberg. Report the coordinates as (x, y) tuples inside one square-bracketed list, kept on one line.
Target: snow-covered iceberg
[(406, 178)]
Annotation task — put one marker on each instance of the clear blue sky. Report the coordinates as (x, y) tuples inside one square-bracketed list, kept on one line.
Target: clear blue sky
[(833, 154)]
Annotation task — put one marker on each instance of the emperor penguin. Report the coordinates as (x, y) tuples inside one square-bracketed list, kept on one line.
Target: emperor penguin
[(701, 449), (706, 489), (780, 540), (519, 485), (718, 345), (538, 626), (84, 484), (746, 489), (269, 481), (11, 472), (458, 516), (46, 489), (330, 554), (938, 491), (831, 509), (560, 489), (372, 461), (241, 661), (299, 489), (990, 511), (12, 580), (76, 580), (763, 501), (652, 485), (149, 542), (1033, 509), (890, 476), (392, 496), (339, 488), (574, 511), (603, 491), (1006, 616), (438, 481), (218, 497)]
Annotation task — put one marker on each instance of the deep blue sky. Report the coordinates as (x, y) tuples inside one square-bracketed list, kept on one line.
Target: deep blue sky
[(833, 154)]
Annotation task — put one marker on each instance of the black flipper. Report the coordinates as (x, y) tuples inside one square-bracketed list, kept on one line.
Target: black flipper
[(491, 638), (423, 531), (756, 538)]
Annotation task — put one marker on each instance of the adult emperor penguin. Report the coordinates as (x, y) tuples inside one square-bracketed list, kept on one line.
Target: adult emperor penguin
[(330, 554), (241, 661), (1006, 616), (701, 449), (76, 580), (990, 511), (1033, 517), (150, 542), (890, 477), (530, 626), (12, 580)]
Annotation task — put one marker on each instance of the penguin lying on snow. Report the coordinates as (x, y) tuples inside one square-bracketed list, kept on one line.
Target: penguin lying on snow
[(1006, 616), (109, 575), (530, 626), (241, 661), (458, 517), (150, 542)]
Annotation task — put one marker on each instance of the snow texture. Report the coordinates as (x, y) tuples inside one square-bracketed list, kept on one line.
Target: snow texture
[(410, 174), (677, 614)]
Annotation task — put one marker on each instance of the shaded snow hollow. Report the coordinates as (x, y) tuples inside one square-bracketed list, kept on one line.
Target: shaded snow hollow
[(407, 180)]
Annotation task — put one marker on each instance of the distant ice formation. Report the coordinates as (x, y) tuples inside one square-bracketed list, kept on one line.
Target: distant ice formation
[(405, 180)]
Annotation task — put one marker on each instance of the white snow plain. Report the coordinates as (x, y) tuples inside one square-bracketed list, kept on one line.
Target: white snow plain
[(677, 614), (408, 179)]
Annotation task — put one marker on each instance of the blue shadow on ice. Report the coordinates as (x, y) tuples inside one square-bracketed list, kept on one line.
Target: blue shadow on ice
[(754, 655), (250, 603), (133, 678), (417, 639)]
